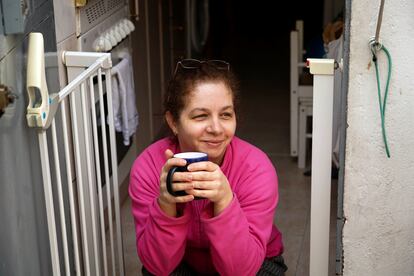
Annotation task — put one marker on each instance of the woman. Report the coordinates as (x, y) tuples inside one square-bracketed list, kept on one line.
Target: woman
[(230, 231)]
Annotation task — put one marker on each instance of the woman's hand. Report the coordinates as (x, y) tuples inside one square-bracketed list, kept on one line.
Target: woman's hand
[(209, 182), (166, 201)]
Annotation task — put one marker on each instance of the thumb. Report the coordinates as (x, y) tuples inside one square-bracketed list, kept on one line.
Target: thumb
[(168, 154)]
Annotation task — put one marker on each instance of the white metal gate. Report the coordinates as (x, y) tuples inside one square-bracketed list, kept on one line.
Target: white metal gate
[(92, 193)]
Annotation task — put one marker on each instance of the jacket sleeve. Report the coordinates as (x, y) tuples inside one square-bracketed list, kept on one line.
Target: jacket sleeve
[(160, 238), (239, 235)]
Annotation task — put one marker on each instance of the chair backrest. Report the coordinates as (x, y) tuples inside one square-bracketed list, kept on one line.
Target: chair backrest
[(298, 76), (299, 93), (300, 28), (294, 60)]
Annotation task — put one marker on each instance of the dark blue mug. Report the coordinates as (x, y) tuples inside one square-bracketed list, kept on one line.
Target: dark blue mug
[(190, 157)]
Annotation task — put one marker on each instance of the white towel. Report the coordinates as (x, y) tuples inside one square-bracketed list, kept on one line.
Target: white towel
[(123, 98)]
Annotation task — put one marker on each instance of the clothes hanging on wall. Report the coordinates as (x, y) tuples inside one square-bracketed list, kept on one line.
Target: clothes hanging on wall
[(123, 98)]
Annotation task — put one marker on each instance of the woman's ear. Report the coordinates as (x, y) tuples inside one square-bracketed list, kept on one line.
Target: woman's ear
[(171, 122)]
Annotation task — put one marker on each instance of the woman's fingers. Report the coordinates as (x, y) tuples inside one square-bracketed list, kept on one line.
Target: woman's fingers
[(183, 199), (168, 154), (171, 161), (182, 181), (202, 166), (205, 185), (176, 199), (203, 179), (204, 176), (179, 162), (182, 186), (177, 187), (210, 194), (182, 177)]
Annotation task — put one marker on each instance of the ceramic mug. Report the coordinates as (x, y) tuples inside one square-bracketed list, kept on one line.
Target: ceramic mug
[(190, 157)]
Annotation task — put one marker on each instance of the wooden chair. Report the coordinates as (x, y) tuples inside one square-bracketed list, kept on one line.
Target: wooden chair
[(301, 90)]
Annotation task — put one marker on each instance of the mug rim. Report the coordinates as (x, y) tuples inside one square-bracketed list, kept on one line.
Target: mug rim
[(190, 155)]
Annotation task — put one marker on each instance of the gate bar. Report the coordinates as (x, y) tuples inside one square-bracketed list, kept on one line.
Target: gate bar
[(60, 196), (98, 174), (322, 118), (115, 174)]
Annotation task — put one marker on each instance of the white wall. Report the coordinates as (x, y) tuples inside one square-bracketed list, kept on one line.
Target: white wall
[(378, 236)]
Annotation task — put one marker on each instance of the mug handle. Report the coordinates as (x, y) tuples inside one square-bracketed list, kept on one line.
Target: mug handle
[(169, 183)]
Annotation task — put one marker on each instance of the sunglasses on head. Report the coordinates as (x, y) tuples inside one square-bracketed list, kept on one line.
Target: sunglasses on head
[(194, 64)]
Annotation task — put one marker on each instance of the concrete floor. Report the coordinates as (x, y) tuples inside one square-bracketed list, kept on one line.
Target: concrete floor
[(265, 123)]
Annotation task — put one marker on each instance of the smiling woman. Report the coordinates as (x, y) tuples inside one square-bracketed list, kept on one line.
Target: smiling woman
[(207, 123), (230, 230)]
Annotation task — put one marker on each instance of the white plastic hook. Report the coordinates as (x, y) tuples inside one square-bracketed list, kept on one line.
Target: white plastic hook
[(42, 107), (38, 108)]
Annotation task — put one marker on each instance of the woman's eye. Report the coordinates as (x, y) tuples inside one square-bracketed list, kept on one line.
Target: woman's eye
[(200, 116), (227, 115)]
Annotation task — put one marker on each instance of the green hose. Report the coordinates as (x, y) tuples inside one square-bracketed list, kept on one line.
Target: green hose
[(384, 102)]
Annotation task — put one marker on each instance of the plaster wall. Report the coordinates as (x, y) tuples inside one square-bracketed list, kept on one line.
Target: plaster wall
[(378, 235)]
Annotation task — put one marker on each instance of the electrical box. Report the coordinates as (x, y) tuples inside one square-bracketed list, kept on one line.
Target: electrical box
[(13, 13)]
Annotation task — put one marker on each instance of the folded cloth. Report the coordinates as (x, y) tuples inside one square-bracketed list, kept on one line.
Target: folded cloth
[(123, 99)]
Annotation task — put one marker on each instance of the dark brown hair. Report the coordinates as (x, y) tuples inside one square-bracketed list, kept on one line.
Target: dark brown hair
[(185, 80)]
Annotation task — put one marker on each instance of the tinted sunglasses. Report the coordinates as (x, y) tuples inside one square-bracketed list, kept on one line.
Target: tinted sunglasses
[(194, 64)]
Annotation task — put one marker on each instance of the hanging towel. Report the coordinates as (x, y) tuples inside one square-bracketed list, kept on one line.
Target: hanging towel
[(123, 98)]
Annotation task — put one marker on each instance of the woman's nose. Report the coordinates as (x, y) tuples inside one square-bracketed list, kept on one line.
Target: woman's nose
[(215, 126)]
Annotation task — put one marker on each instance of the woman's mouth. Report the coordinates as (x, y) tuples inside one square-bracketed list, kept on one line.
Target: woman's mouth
[(213, 143)]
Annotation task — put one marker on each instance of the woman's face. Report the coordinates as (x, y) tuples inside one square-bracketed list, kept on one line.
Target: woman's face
[(208, 121)]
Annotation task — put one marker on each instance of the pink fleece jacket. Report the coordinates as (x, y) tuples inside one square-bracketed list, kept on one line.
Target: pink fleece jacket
[(235, 242)]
